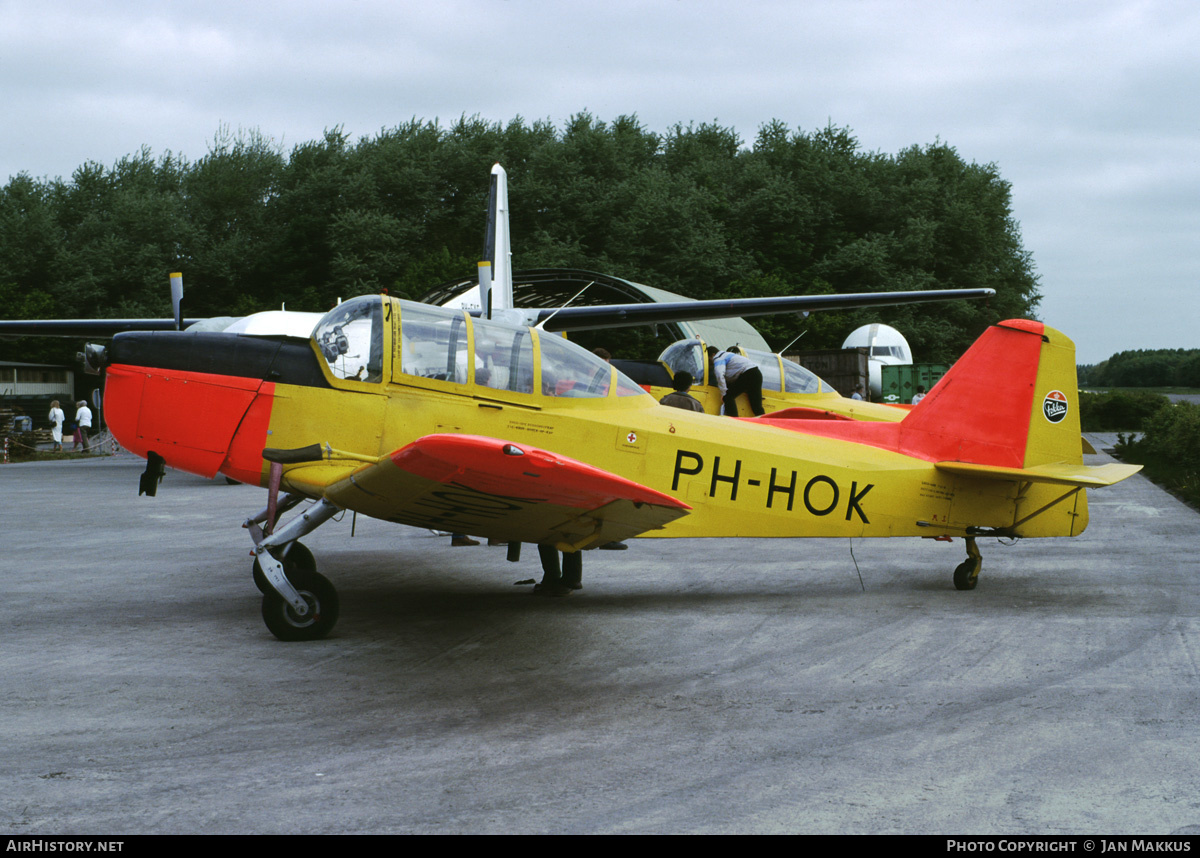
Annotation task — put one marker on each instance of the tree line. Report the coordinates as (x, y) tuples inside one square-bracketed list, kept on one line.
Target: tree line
[(695, 210), (1145, 368)]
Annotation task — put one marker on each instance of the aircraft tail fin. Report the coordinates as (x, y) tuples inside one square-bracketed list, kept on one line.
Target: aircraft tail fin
[(1010, 402)]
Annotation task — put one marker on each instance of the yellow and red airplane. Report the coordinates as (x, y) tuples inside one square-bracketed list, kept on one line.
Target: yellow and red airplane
[(435, 418), (428, 417)]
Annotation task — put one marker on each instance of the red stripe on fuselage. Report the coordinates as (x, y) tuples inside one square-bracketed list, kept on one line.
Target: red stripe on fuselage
[(198, 422)]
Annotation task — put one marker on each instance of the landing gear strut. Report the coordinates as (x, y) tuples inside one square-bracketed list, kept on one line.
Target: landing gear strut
[(299, 603), (966, 574), (297, 554)]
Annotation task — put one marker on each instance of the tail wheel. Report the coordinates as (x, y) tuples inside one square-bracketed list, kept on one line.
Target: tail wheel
[(966, 574), (317, 592)]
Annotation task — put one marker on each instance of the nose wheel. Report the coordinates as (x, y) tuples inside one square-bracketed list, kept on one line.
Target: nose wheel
[(966, 574), (299, 603), (320, 600)]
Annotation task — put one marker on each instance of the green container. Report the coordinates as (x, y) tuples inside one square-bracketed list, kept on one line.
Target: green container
[(899, 383)]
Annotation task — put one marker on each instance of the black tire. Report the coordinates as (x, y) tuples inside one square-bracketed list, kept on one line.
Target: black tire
[(966, 575), (297, 554), (322, 601)]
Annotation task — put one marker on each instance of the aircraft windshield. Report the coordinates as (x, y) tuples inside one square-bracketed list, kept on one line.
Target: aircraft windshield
[(350, 336), (685, 355)]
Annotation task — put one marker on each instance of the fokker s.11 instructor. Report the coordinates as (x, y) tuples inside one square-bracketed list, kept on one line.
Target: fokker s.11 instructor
[(436, 418)]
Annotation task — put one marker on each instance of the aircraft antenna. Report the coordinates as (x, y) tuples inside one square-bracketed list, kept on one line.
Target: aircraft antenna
[(541, 325), (793, 342)]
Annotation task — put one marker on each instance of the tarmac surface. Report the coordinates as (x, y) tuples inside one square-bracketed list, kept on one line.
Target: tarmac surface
[(700, 686)]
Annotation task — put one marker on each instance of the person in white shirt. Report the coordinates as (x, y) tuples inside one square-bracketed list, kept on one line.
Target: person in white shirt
[(83, 418), (919, 395), (57, 418)]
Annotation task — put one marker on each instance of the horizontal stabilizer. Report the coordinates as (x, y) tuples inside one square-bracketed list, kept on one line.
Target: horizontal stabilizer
[(1086, 476)]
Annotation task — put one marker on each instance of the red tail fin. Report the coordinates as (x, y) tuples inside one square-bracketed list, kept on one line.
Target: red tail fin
[(1009, 402), (980, 410)]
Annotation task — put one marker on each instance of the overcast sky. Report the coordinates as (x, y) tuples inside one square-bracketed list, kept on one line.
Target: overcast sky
[(1089, 109)]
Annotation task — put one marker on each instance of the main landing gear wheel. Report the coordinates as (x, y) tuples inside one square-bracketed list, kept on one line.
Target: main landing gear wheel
[(298, 554), (966, 574), (315, 589)]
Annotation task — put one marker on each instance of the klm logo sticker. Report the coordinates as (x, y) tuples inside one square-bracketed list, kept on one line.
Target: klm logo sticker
[(1054, 406)]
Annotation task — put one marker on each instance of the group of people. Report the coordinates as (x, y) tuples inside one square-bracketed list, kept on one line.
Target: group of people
[(734, 374), (82, 425)]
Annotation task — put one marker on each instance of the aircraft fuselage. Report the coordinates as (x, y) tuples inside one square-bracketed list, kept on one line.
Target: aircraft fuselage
[(742, 478)]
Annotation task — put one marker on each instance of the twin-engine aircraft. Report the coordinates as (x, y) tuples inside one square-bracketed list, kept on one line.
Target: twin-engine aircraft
[(497, 428)]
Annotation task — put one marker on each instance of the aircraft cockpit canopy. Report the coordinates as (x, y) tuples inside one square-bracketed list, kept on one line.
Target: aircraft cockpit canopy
[(795, 378), (350, 337), (779, 373), (686, 355), (448, 345)]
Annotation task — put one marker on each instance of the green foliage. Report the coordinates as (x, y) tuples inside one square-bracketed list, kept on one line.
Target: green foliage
[(1170, 449), (1119, 411), (694, 211), (1148, 368)]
